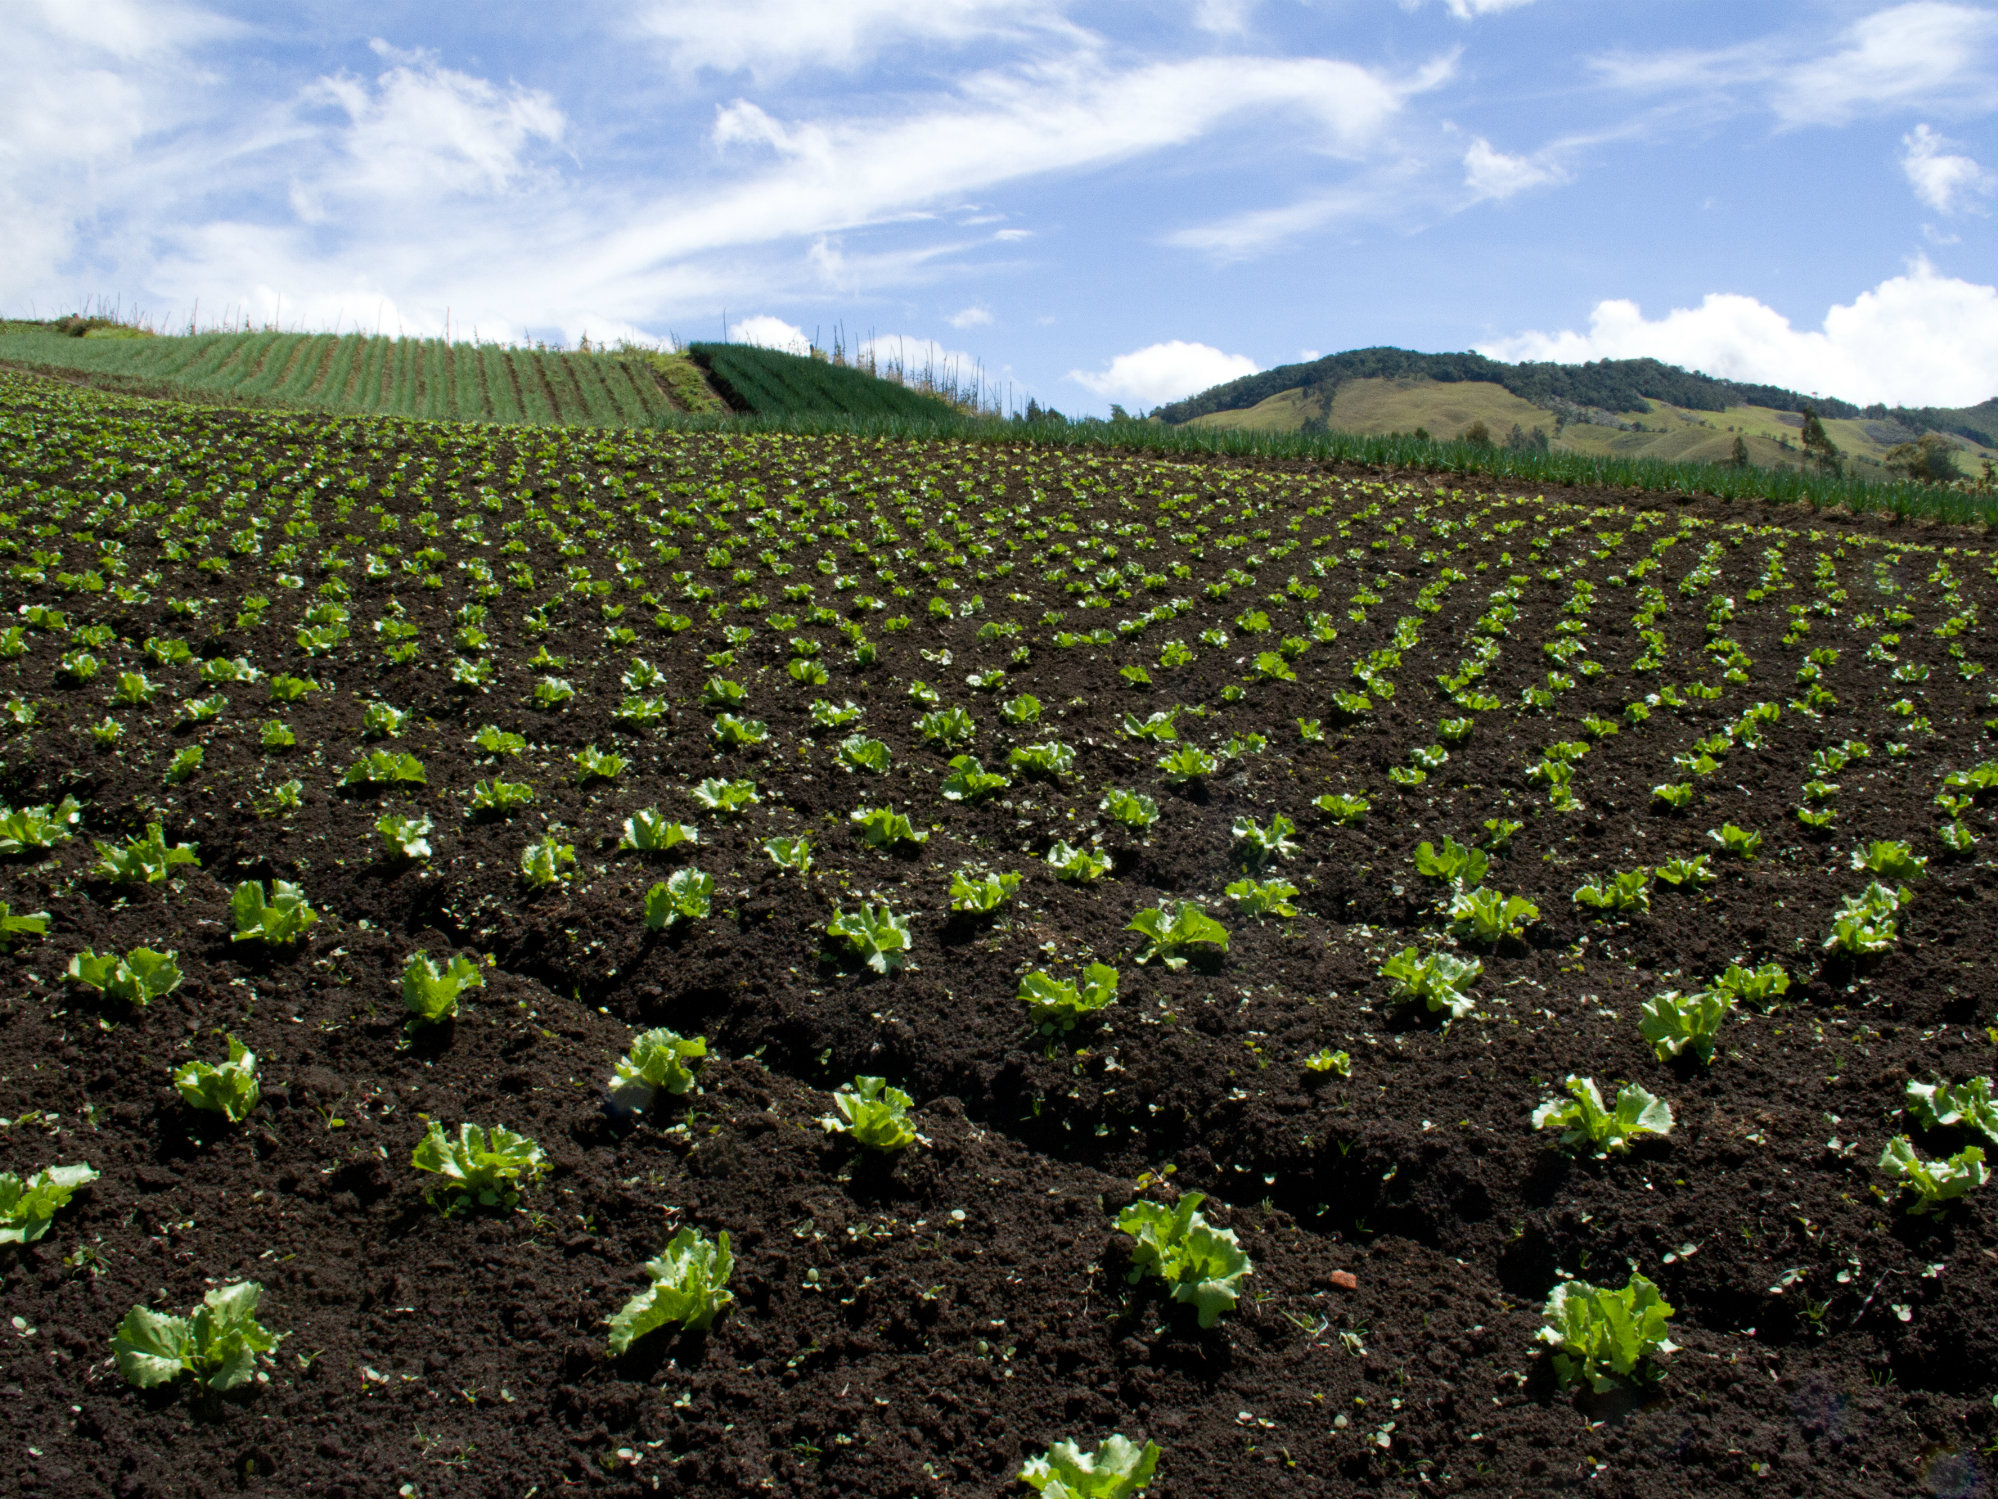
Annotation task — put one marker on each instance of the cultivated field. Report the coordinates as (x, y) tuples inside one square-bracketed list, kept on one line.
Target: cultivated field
[(1288, 835)]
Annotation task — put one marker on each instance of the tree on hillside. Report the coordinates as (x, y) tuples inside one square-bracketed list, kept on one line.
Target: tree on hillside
[(1931, 458), (1819, 447), (1478, 435), (1519, 440), (1739, 457)]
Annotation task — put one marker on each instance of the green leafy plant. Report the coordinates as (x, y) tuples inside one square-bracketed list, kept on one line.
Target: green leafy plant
[(1968, 1103), (1935, 1183), (685, 895), (186, 761), (1130, 808), (1158, 727), (385, 768), (1743, 844), (1325, 1059), (1626, 890), (1755, 986), (1889, 858), (1487, 916), (725, 797), (405, 837), (1262, 897), (481, 1165), (1203, 1265), (494, 740), (275, 919), (1678, 872), (884, 827), (276, 736), (1171, 936), (657, 1062), (876, 935), (229, 1088), (1343, 808), (862, 753), (1119, 1469), (592, 764), (15, 929), (547, 861), (138, 978), (1256, 845), (1078, 866), (980, 893), (430, 990), (826, 716), (1585, 1122), (218, 1345), (1442, 980), (496, 798), (1603, 1335), (689, 1288), (1458, 867), (1050, 761), (1675, 1023), (1188, 763), (968, 780), (132, 689), (947, 726), (1058, 1004), (27, 1207), (1022, 711), (551, 692), (732, 732), (872, 1113), (380, 721), (790, 853), (1864, 924), (30, 830), (650, 832), (290, 689), (1677, 795)]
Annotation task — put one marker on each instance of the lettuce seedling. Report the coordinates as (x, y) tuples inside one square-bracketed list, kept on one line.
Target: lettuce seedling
[(186, 761), (551, 692), (684, 895), (494, 740), (875, 933), (649, 832), (1442, 980), (1262, 897), (689, 1287), (1170, 936), (1203, 1265), (1603, 1335), (384, 768), (968, 780), (1934, 1183), (1677, 795), (979, 893), (138, 978), (1130, 808), (1058, 1004), (1864, 923), (230, 1089), (1188, 763), (133, 689), (789, 853), (862, 753), (431, 992), (642, 711), (1890, 858), (1342, 808), (1256, 845), (1693, 871), (826, 716), (27, 830), (1675, 1023), (1584, 1121), (18, 928), (1050, 761), (406, 837), (1078, 866), (947, 726), (1118, 1469), (290, 689), (218, 1345), (873, 1113), (1627, 890), (1159, 727), (380, 721), (1022, 711), (732, 732), (1459, 867), (1755, 986), (725, 797), (1487, 916), (592, 764), (1325, 1059), (1968, 1103), (481, 1164), (275, 920), (497, 798), (884, 827), (27, 1207), (656, 1063), (547, 861)]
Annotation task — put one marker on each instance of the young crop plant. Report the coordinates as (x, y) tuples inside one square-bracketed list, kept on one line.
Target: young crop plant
[(1050, 761), (1170, 937), (1935, 1183), (649, 832), (138, 978), (497, 798), (1585, 1123), (1119, 1469), (1628, 890), (1203, 1265), (826, 715), (1158, 727), (1187, 763), (385, 768), (132, 689), (1676, 795), (218, 1345), (276, 737), (1458, 867), (276, 919), (1256, 845), (186, 761), (876, 934), (688, 1289), (481, 1165), (547, 861), (1739, 842), (1676, 1023), (873, 1114), (1679, 872), (1889, 858), (947, 726), (430, 991), (1605, 1335), (884, 827), (1940, 1105), (380, 721), (1021, 712), (1755, 986), (1078, 866), (726, 797), (1865, 924), (592, 764), (32, 830), (731, 732), (230, 1088), (1130, 808), (980, 893), (1488, 917), (969, 781), (1325, 1059), (1057, 1005), (658, 1062), (790, 853), (858, 752), (1442, 981), (28, 1207), (1342, 808), (685, 895), (406, 838), (493, 740), (1262, 897)]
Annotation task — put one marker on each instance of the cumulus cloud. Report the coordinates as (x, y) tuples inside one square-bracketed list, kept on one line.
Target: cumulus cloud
[(1919, 339), (1163, 372), (1490, 173), (970, 317), (769, 332), (1941, 180)]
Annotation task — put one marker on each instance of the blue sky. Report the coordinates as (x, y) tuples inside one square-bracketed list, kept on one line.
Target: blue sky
[(1089, 202)]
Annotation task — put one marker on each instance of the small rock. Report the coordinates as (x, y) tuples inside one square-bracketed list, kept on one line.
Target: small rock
[(1345, 1280)]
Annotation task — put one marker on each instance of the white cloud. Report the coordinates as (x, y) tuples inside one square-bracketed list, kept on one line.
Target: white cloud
[(770, 332), (1163, 372), (1940, 179), (771, 38), (1223, 17), (1490, 173), (970, 317), (1465, 10), (1918, 339)]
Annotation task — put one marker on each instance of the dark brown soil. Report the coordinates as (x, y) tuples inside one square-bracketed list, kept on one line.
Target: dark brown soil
[(919, 1325)]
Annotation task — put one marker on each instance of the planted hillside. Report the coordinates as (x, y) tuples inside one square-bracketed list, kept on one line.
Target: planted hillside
[(773, 384)]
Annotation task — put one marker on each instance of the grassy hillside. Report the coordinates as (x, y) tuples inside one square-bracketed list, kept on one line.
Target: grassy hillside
[(353, 374), (773, 384), (1657, 429)]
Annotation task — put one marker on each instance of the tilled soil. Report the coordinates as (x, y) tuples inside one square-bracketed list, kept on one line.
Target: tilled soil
[(918, 1325)]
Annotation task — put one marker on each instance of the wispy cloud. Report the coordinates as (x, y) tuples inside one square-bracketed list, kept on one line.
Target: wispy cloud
[(775, 38), (1945, 181), (1491, 173)]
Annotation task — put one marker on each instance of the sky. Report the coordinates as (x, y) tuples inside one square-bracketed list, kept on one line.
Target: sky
[(1082, 203)]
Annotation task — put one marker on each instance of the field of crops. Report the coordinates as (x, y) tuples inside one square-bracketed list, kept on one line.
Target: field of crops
[(1298, 980), (775, 384)]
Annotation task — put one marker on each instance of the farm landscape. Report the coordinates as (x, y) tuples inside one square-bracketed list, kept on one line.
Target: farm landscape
[(1271, 972)]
